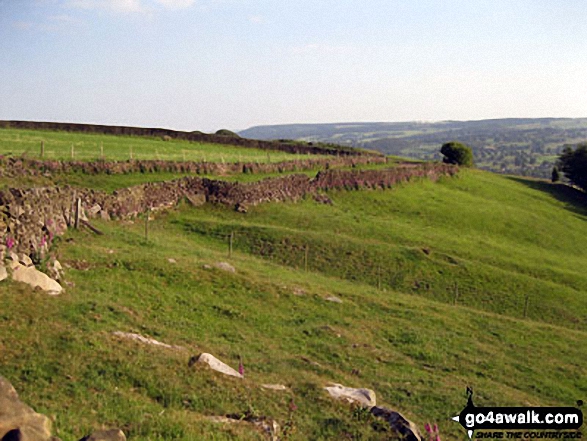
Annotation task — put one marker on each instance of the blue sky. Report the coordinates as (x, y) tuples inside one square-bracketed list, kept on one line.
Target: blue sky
[(210, 64)]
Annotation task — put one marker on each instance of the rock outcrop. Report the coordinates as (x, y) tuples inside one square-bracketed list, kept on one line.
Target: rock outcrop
[(364, 397), (400, 424), (19, 421), (214, 364)]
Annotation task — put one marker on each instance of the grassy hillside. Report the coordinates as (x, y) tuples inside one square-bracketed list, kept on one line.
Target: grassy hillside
[(87, 146), (395, 258)]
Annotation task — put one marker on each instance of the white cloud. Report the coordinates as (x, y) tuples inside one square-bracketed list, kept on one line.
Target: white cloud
[(123, 6), (257, 19), (319, 48), (175, 4)]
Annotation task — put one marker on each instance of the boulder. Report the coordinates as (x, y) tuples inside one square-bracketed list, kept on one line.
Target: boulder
[(35, 278), (334, 299), (365, 397), (274, 386), (55, 270), (25, 260), (214, 364), (106, 435), (3, 273), (145, 340), (407, 429), (17, 420), (224, 266)]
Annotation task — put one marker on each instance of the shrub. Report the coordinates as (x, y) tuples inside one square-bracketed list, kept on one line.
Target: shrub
[(457, 153), (573, 164)]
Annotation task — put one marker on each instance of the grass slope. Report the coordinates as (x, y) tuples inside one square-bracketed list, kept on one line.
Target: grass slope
[(497, 238), (15, 142)]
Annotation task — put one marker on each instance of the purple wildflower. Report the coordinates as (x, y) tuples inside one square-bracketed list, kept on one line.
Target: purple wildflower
[(427, 428), (9, 242), (43, 240), (241, 368)]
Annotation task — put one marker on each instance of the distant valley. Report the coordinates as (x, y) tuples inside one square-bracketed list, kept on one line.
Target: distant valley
[(521, 146)]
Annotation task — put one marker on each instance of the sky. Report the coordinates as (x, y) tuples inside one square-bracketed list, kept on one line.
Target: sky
[(212, 64)]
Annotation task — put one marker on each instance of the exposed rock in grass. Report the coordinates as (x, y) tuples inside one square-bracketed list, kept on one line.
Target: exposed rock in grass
[(224, 266), (146, 340), (171, 260), (297, 291), (3, 273), (274, 386), (311, 362), (270, 427), (365, 397), (55, 270), (322, 199), (407, 429), (35, 278), (18, 421), (334, 299), (214, 364), (106, 435)]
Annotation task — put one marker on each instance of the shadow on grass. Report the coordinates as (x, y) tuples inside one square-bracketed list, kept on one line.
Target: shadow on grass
[(575, 200)]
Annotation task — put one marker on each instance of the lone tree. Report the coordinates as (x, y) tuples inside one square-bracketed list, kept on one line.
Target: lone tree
[(555, 176), (573, 164), (457, 153)]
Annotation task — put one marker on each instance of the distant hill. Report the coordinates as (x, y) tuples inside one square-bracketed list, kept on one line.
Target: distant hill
[(524, 146)]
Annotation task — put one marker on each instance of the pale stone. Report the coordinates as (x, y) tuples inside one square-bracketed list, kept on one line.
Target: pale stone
[(19, 421), (3, 273), (25, 260), (274, 386), (366, 397), (334, 299), (94, 210), (145, 340), (171, 260), (215, 364), (35, 278), (224, 266)]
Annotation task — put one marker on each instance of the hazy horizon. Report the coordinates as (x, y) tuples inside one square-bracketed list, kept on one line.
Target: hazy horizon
[(211, 64)]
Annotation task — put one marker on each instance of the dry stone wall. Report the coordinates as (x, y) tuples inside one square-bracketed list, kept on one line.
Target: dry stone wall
[(15, 167), (31, 218)]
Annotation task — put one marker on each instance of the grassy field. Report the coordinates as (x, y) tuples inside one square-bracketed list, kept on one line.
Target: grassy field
[(395, 258), (89, 147)]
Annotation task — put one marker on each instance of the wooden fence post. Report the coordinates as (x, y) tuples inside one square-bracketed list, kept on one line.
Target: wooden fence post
[(72, 152), (526, 305), (78, 210), (42, 149), (147, 213), (101, 150), (379, 277), (456, 292), (230, 239), (306, 258)]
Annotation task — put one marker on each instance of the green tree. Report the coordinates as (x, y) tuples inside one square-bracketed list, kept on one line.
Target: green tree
[(573, 164), (555, 177), (457, 153)]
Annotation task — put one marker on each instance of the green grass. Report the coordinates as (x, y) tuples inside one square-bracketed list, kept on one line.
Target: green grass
[(498, 238), (16, 142)]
